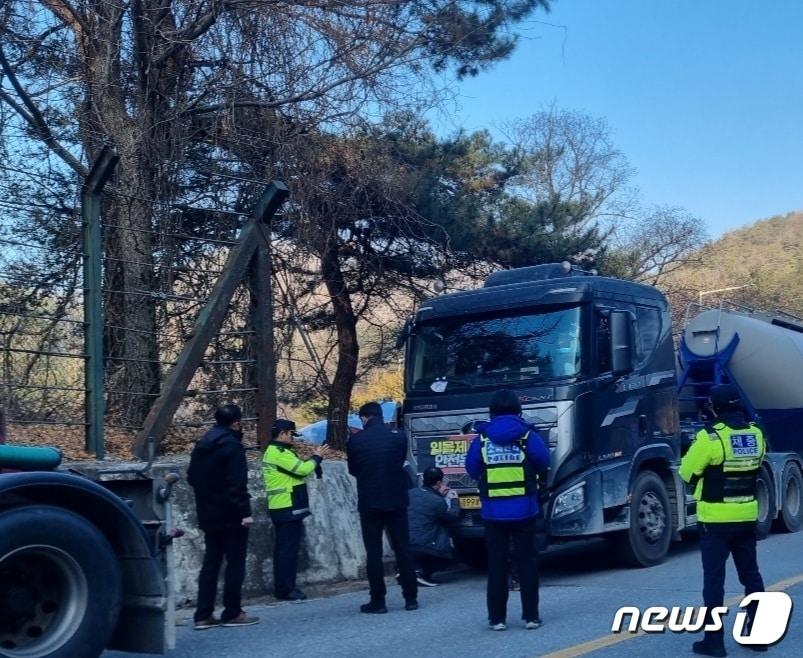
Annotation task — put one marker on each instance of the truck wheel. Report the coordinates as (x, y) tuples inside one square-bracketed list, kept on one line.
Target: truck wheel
[(766, 503), (472, 552), (60, 585), (646, 542), (791, 517)]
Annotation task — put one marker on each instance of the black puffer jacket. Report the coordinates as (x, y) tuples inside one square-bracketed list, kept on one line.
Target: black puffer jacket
[(218, 473), (376, 458)]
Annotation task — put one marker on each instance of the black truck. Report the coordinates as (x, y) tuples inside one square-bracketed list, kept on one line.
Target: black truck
[(593, 362)]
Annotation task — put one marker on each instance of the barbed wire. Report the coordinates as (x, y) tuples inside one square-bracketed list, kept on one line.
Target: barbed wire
[(28, 316), (178, 236)]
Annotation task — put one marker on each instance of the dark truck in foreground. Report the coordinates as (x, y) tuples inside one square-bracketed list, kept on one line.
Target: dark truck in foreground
[(84, 558), (593, 363)]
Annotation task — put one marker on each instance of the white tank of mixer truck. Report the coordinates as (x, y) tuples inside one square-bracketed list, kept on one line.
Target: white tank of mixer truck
[(767, 363)]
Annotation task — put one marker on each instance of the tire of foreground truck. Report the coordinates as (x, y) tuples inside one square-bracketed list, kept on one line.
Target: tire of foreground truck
[(765, 495), (60, 585), (646, 542), (791, 517), (472, 552)]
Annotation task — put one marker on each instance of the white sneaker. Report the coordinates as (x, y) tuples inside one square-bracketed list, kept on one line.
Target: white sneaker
[(501, 626), (533, 625), (424, 582)]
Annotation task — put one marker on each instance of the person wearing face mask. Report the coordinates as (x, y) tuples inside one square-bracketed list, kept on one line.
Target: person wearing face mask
[(218, 474), (431, 513)]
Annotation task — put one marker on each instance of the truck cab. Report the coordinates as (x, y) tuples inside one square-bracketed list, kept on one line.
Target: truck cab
[(592, 361)]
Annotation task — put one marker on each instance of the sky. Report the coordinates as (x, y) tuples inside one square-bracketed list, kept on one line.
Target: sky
[(704, 97)]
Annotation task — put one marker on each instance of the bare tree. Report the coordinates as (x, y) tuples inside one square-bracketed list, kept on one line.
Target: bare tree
[(156, 77), (657, 243), (569, 157)]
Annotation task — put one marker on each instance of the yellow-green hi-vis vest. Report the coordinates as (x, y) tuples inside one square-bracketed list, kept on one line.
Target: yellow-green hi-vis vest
[(722, 464), (507, 471), (285, 474)]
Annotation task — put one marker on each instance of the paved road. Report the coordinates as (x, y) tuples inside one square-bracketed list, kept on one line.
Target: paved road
[(581, 589)]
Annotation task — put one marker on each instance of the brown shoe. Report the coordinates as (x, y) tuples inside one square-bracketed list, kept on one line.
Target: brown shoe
[(209, 622), (241, 620)]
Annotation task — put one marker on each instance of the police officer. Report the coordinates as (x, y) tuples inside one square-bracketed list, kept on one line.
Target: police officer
[(288, 503), (722, 465), (507, 458)]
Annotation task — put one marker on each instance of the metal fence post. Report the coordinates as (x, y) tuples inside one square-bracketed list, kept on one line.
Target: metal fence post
[(209, 319), (263, 372), (100, 173)]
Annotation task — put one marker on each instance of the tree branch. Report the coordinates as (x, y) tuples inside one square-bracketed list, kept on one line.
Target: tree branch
[(196, 29), (33, 117), (68, 15)]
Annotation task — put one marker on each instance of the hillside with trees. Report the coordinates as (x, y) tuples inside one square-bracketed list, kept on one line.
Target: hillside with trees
[(766, 258)]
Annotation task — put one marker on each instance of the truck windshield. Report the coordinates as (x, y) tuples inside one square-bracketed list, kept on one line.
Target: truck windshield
[(496, 349)]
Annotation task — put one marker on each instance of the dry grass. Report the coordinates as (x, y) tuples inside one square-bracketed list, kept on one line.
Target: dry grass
[(179, 441)]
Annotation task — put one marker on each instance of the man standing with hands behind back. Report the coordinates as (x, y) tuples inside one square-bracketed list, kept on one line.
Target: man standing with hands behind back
[(376, 458), (218, 473)]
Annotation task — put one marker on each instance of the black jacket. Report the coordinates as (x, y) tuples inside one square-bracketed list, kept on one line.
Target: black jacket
[(429, 517), (218, 472), (376, 458)]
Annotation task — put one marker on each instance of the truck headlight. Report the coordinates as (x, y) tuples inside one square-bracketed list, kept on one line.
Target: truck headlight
[(570, 501)]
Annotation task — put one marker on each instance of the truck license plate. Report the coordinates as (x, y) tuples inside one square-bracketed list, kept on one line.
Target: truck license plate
[(469, 502)]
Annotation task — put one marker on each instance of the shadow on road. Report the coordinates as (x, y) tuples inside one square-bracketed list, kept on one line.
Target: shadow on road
[(597, 556)]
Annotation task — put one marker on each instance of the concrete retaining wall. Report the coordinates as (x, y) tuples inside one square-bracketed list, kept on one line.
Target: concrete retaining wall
[(332, 549)]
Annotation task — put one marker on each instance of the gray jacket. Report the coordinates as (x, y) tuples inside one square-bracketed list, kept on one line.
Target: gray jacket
[(429, 518)]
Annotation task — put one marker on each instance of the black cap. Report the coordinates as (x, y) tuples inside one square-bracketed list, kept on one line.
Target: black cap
[(282, 425), (725, 397)]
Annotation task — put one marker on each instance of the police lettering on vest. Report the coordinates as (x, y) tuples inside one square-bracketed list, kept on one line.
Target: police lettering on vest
[(723, 464), (508, 472)]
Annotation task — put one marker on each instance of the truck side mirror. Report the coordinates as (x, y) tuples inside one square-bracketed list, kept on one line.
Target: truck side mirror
[(621, 323)]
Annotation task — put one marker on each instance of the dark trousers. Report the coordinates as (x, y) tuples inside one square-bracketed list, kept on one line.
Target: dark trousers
[(717, 541), (498, 538), (230, 543), (285, 556), (374, 523), (429, 563)]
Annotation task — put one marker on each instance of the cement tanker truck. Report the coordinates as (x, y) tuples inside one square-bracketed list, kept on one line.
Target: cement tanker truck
[(594, 365)]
